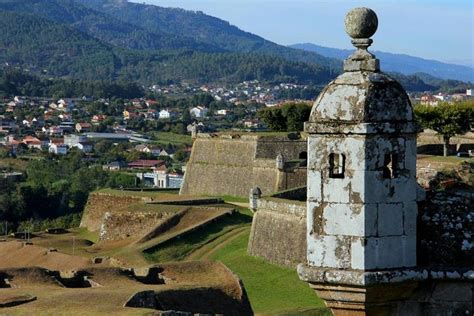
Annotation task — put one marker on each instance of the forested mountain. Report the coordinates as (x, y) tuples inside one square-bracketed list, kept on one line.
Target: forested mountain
[(404, 64), (148, 27), (53, 49), (203, 28), (102, 26), (114, 40), (46, 47)]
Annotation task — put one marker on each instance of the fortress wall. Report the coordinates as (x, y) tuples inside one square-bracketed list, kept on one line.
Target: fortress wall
[(214, 179), (234, 164), (98, 204), (439, 298), (445, 226), (224, 151), (279, 231), (292, 179), (270, 147), (121, 225)]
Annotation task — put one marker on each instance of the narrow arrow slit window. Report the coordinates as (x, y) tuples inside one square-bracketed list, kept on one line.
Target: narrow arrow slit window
[(337, 166)]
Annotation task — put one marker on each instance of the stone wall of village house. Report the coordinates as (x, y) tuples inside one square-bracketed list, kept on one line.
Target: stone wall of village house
[(234, 164)]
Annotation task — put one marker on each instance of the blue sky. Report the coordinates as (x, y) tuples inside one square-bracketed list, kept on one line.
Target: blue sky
[(432, 29)]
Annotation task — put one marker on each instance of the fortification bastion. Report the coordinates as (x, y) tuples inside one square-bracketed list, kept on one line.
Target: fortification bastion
[(232, 164)]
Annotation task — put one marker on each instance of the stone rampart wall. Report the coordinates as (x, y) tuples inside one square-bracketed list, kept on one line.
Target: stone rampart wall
[(279, 231), (121, 225), (438, 298), (270, 147), (233, 164), (292, 179), (99, 203), (445, 229)]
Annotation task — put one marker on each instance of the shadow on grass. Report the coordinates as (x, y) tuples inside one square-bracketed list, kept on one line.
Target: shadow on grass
[(179, 249), (323, 311)]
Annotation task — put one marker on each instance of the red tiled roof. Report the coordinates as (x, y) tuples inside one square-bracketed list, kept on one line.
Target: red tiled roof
[(145, 163)]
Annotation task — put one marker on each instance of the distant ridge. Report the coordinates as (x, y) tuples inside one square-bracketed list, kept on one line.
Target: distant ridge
[(405, 64), (116, 40)]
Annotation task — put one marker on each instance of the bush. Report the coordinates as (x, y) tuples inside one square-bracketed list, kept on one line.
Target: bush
[(66, 221)]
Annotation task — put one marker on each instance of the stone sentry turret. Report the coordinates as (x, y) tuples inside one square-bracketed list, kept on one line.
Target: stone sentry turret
[(361, 209)]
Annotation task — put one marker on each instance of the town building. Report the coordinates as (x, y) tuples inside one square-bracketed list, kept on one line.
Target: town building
[(145, 164), (167, 114), (58, 149), (199, 112), (73, 139), (83, 127), (115, 166)]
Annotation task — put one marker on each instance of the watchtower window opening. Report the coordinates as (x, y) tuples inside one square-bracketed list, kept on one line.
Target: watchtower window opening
[(337, 165), (390, 166), (304, 157)]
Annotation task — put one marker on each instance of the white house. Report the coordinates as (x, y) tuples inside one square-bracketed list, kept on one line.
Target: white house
[(199, 111), (66, 104), (58, 149), (160, 178), (166, 114), (84, 147), (155, 151), (166, 153), (72, 139), (441, 97), (168, 180), (223, 112)]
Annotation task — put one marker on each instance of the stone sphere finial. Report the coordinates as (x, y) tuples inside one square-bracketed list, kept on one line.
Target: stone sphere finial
[(361, 23)]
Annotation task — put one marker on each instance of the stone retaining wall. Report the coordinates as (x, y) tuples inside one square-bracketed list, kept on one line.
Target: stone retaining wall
[(121, 225), (279, 231), (99, 203)]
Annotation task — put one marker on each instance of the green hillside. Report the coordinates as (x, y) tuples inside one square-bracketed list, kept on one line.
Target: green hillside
[(41, 45), (53, 49), (116, 40), (203, 28), (102, 26)]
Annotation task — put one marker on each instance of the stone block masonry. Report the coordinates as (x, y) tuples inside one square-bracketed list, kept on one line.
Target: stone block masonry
[(279, 232), (231, 164), (99, 203), (122, 225)]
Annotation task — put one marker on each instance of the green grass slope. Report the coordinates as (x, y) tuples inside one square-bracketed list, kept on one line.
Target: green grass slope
[(271, 289)]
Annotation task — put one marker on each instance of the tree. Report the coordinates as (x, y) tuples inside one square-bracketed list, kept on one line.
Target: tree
[(288, 117), (121, 180), (446, 119)]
